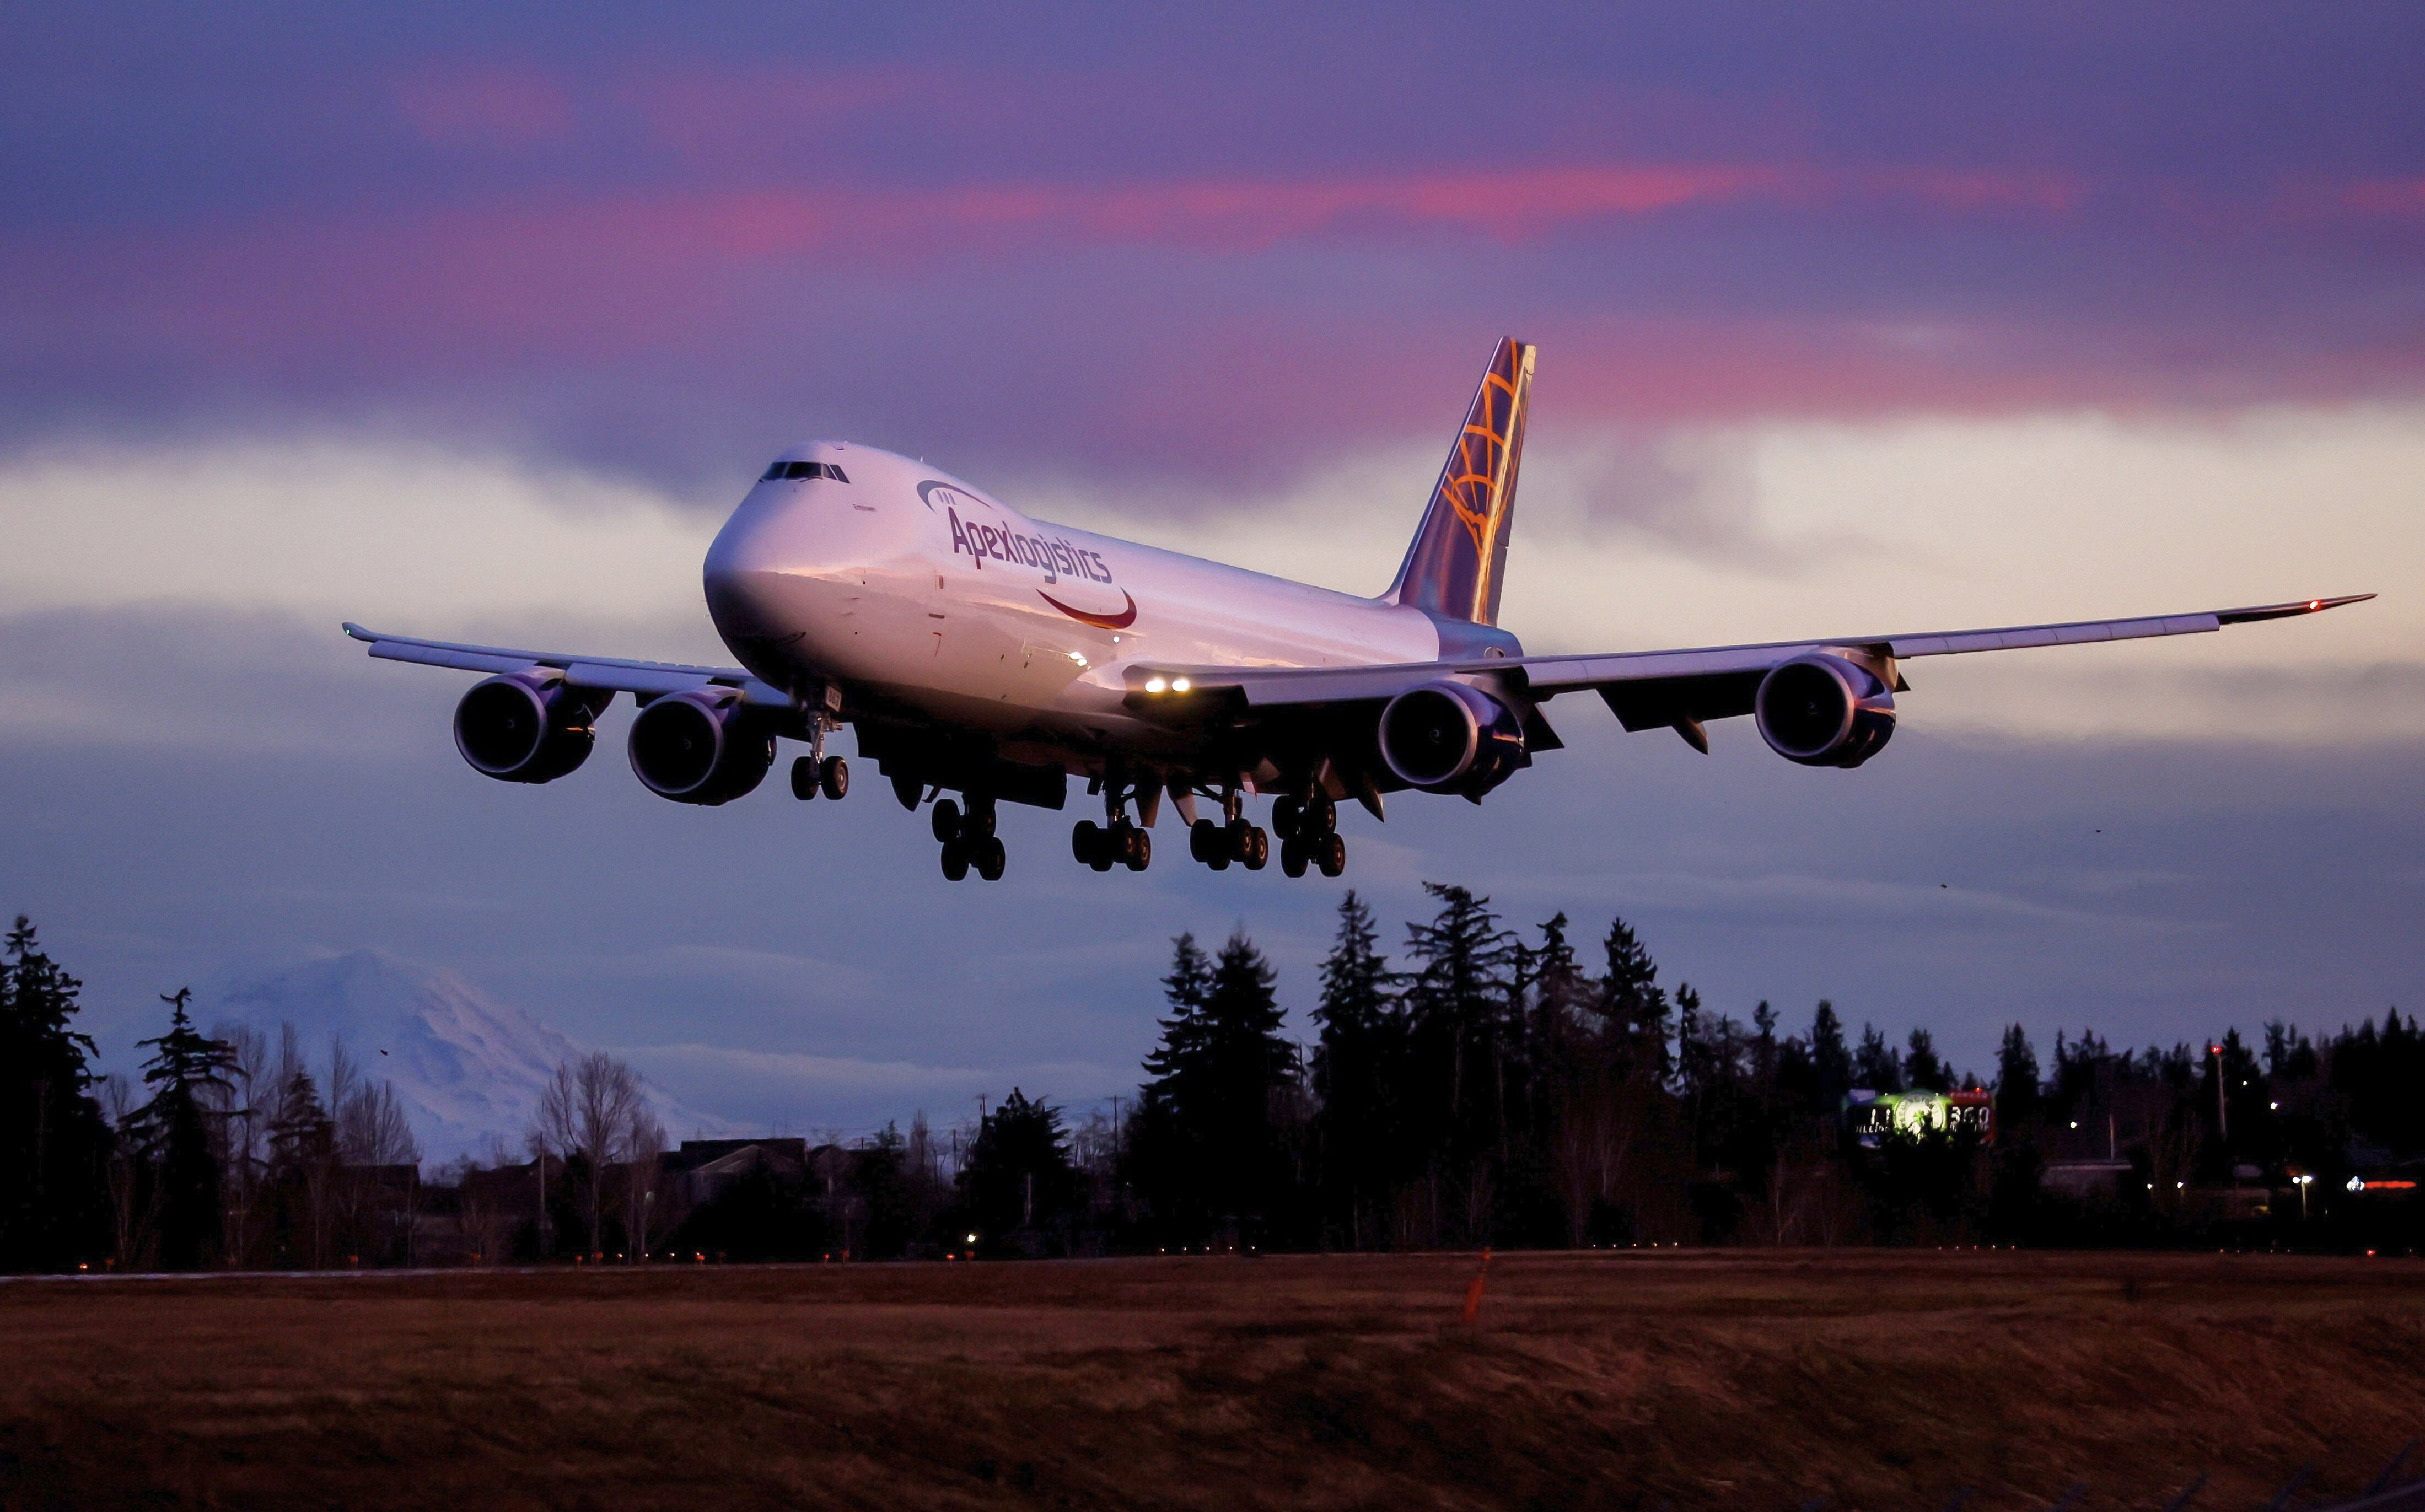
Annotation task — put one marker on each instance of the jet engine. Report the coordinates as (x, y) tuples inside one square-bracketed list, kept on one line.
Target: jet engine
[(1824, 711), (528, 727), (1451, 738), (701, 746)]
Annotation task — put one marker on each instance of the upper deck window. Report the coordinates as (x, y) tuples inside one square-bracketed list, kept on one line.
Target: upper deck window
[(785, 472)]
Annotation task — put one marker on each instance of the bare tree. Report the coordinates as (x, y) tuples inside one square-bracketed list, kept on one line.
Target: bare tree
[(243, 1105), (127, 1208), (644, 1140), (585, 1112)]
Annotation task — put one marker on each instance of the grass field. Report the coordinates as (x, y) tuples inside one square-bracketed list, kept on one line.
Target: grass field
[(1737, 1379)]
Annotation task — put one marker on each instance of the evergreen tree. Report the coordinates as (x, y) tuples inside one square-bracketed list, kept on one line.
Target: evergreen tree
[(303, 1164), (2016, 1080), (1875, 1063), (1018, 1180), (53, 1140), (1829, 1059), (1355, 1072), (1457, 1009), (174, 1131), (1209, 1149), (1923, 1070), (1634, 1004)]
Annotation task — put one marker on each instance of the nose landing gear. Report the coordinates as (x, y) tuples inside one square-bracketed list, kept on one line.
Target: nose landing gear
[(811, 777)]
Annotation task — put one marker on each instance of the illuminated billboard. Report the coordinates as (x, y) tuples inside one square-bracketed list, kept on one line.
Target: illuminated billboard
[(1870, 1115)]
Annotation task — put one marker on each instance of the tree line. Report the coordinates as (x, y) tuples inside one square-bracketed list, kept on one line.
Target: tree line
[(1482, 1085)]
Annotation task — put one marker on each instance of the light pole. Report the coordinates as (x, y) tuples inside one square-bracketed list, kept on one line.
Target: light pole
[(2302, 1182)]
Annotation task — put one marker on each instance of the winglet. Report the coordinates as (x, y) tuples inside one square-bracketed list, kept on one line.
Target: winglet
[(358, 632), (2285, 611)]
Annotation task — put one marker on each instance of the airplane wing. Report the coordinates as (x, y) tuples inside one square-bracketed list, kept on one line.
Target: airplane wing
[(647, 678), (1647, 690)]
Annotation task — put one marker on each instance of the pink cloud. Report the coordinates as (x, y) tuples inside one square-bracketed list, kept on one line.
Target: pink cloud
[(486, 107), (2394, 199)]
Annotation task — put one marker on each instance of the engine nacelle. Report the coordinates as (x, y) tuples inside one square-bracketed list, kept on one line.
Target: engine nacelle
[(528, 727), (1451, 738), (701, 746), (1824, 711)]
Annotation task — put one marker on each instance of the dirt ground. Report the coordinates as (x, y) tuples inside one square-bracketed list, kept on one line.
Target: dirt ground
[(1740, 1379)]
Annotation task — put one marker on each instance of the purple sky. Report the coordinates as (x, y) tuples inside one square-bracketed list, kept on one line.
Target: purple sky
[(1170, 268)]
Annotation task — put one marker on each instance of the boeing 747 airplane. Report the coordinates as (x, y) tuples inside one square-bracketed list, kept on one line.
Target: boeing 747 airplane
[(979, 652)]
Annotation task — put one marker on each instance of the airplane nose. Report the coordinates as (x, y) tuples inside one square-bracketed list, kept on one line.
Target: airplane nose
[(743, 573)]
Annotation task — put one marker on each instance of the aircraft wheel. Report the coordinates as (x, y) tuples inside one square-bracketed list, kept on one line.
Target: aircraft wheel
[(1238, 840), (1084, 841), (1321, 817), (977, 824), (955, 860), (1137, 850), (1259, 849), (804, 778), (946, 820), (1293, 857), (991, 859), (1331, 855), (1203, 840), (1286, 816), (833, 780)]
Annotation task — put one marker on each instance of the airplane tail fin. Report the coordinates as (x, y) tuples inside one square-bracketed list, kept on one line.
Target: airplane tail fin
[(1459, 554)]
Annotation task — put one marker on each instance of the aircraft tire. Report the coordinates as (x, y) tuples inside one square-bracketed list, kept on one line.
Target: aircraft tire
[(1331, 855), (1136, 849), (1286, 816), (1084, 841), (946, 820), (991, 859), (955, 860), (1321, 817), (1203, 840), (833, 782), (1293, 857), (1259, 849), (804, 778), (1239, 839), (977, 823)]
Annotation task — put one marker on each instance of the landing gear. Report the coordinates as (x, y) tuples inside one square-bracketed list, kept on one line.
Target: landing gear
[(811, 777), (969, 839), (1118, 843), (1309, 835), (1330, 854), (1208, 843)]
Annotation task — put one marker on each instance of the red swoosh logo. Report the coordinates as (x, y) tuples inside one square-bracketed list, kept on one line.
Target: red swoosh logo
[(1101, 621)]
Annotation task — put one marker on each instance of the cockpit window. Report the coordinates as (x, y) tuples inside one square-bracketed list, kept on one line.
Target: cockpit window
[(787, 472)]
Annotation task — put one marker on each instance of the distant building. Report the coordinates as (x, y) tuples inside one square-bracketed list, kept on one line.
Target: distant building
[(702, 1169)]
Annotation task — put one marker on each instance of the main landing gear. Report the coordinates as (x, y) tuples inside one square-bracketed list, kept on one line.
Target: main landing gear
[(1216, 845), (1310, 836), (1119, 842), (969, 839)]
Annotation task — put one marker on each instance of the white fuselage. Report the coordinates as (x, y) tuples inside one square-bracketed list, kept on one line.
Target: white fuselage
[(929, 594)]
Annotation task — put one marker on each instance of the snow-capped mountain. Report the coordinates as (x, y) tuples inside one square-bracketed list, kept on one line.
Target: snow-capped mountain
[(467, 1068)]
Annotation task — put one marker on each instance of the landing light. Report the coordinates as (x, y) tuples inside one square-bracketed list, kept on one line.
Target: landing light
[(1078, 656), (1178, 684), (1155, 685)]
